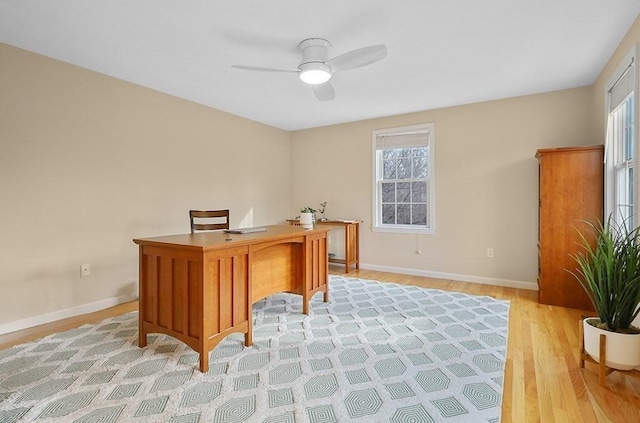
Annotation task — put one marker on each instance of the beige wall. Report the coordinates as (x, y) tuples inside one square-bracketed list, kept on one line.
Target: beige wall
[(89, 162), (486, 183)]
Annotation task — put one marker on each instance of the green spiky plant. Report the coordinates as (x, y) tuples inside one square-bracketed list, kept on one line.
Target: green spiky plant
[(609, 272)]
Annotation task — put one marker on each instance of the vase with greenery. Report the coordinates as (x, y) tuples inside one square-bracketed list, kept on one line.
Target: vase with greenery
[(307, 217), (609, 271)]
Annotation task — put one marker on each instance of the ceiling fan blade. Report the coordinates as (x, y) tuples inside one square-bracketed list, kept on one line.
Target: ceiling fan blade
[(257, 68), (358, 58), (324, 92)]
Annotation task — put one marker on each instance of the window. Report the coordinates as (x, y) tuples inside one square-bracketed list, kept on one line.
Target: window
[(621, 144), (622, 131), (403, 179)]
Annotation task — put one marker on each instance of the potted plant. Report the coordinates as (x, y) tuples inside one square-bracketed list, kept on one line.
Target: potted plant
[(307, 217), (609, 271)]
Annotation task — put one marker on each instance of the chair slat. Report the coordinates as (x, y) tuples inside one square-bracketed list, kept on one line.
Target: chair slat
[(208, 214)]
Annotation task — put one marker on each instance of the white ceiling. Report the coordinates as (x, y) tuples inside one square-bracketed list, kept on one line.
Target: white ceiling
[(440, 53)]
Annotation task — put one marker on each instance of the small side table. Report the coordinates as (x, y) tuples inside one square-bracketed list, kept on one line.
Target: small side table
[(351, 240)]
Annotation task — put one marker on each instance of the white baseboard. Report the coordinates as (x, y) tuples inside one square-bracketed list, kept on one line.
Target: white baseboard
[(110, 302), (63, 314), (453, 276)]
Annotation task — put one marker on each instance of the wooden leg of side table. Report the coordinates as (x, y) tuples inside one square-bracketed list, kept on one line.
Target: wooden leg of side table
[(347, 251), (357, 252)]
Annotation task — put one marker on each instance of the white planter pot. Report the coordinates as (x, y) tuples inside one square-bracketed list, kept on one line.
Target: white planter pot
[(623, 350), (306, 220)]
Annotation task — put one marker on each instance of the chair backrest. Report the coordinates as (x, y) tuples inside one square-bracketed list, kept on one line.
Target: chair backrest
[(208, 220)]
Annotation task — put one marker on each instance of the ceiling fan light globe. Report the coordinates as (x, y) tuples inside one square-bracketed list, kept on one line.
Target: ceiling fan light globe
[(314, 73), (315, 76)]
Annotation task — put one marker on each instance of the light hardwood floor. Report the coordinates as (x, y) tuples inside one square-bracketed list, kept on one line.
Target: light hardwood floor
[(543, 379)]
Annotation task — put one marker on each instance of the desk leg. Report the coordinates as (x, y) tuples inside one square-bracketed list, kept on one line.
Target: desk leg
[(248, 337), (204, 361), (142, 338), (142, 335)]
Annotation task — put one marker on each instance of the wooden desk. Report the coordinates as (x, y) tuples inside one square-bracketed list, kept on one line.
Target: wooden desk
[(200, 287), (351, 240)]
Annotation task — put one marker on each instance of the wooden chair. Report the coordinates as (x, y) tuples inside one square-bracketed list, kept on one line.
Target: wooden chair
[(216, 220)]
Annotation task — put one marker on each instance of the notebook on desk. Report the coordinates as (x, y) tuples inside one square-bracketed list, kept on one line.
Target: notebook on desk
[(245, 230)]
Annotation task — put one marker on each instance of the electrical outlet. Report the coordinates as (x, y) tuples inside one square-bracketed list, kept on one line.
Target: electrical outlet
[(490, 252), (85, 270)]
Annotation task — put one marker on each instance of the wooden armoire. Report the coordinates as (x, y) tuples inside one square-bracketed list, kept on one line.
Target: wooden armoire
[(571, 191)]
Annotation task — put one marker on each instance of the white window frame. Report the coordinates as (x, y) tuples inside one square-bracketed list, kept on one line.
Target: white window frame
[(377, 225), (612, 151)]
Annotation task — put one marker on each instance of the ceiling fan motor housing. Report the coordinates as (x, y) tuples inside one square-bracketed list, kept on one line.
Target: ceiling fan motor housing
[(314, 50)]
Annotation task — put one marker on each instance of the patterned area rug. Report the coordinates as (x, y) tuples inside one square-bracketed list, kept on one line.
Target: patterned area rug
[(377, 352)]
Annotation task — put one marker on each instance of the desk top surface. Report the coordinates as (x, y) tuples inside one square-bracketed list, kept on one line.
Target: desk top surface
[(220, 239)]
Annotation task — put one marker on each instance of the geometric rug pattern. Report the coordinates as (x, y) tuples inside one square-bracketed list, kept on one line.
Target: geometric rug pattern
[(377, 352)]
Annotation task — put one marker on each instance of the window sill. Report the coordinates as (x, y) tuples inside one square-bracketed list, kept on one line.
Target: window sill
[(404, 230)]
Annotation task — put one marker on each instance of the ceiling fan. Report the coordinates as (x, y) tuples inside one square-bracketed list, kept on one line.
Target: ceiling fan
[(316, 68)]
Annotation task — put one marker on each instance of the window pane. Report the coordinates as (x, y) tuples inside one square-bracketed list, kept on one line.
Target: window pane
[(419, 214), (630, 183), (419, 192), (629, 144), (404, 192), (388, 192), (624, 194), (389, 214), (404, 168), (629, 128), (620, 187), (405, 152), (389, 169), (390, 154), (630, 224), (419, 168), (420, 151), (404, 214)]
